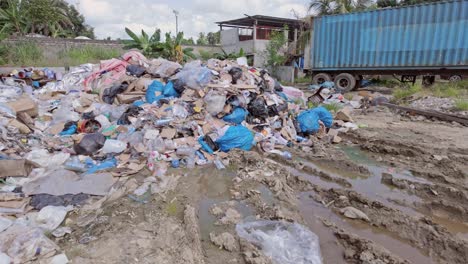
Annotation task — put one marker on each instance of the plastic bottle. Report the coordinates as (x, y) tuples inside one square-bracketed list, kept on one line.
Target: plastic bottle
[(185, 151), (284, 154), (190, 161), (163, 122), (74, 164), (219, 164)]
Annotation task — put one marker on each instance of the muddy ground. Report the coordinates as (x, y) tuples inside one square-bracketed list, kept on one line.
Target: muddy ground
[(408, 177)]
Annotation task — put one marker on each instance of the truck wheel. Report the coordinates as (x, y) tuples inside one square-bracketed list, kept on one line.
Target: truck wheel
[(321, 78), (455, 78), (345, 82)]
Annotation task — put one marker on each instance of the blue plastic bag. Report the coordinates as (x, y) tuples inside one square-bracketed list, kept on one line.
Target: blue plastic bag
[(308, 121), (236, 137), (106, 164), (165, 90), (237, 116), (70, 131), (205, 146), (324, 115)]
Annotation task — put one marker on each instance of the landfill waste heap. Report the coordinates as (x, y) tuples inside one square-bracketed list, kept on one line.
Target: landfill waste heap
[(66, 139)]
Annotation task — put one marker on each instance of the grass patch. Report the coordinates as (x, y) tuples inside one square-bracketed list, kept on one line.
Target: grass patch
[(27, 54), (390, 83), (405, 92), (21, 54), (306, 79), (333, 107), (454, 90), (87, 54), (461, 105)]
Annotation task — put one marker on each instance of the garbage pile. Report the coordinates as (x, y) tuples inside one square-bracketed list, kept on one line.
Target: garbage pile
[(71, 139)]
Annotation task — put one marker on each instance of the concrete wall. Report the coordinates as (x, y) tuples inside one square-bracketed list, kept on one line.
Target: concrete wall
[(283, 73)]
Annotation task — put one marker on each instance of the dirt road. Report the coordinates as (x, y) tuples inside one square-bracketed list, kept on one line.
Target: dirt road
[(406, 179)]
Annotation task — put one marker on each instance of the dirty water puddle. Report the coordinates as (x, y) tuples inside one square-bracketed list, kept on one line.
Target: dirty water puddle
[(313, 212)]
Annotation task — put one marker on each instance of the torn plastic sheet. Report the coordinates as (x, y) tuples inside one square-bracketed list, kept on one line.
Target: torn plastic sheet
[(285, 243)]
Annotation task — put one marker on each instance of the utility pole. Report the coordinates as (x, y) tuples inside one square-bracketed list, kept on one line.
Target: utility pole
[(176, 13)]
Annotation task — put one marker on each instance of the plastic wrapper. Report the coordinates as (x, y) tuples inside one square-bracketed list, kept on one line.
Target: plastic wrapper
[(214, 103), (131, 111), (284, 243), (258, 108), (47, 160), (90, 144), (163, 68), (113, 146), (7, 111), (9, 93), (194, 77), (23, 243), (50, 217)]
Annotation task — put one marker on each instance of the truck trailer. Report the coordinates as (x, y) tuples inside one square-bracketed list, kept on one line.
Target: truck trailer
[(421, 40)]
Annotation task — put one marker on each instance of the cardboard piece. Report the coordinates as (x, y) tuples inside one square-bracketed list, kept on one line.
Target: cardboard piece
[(21, 127), (129, 98), (25, 104), (168, 133), (16, 168)]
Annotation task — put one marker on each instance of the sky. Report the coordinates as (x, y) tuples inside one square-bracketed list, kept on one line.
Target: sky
[(110, 17)]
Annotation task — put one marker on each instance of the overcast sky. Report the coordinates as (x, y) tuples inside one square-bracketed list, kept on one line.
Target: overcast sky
[(110, 17)]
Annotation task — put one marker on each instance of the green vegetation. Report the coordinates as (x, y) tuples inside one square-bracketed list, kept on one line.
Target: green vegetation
[(88, 54), (330, 7), (273, 55), (333, 107), (170, 49), (305, 79), (461, 104), (54, 18), (448, 89), (22, 54), (29, 54), (402, 93)]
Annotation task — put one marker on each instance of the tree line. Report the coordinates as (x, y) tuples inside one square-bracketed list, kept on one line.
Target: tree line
[(330, 7), (53, 18)]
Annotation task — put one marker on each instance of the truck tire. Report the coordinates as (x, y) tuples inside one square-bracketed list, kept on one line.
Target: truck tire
[(321, 78), (455, 78), (345, 82)]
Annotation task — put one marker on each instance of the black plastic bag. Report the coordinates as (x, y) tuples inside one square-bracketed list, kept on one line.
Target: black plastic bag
[(42, 200), (131, 111), (179, 86), (136, 70), (236, 74), (109, 94), (90, 144), (258, 108)]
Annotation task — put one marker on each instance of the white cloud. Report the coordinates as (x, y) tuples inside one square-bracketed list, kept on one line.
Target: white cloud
[(110, 17)]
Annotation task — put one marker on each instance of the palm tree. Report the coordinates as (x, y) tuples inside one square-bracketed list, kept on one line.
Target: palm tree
[(12, 19), (329, 7), (323, 7)]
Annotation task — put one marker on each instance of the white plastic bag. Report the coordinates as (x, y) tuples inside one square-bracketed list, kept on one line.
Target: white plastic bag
[(114, 146), (47, 160), (215, 103), (285, 243), (50, 217)]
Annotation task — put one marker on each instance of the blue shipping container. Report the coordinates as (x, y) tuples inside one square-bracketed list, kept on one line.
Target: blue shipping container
[(428, 36)]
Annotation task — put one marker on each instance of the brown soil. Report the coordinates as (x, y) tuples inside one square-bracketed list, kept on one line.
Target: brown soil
[(408, 178)]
